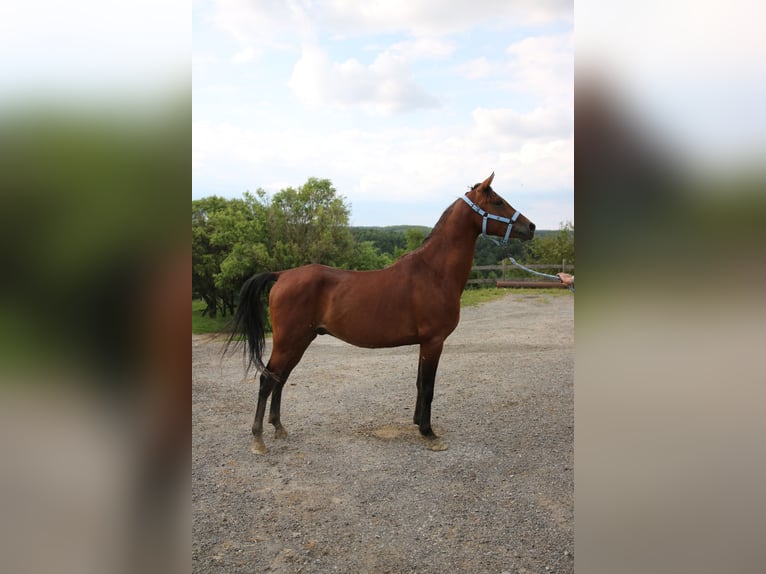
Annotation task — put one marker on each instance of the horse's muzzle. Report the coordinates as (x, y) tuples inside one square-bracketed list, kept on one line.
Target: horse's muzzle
[(530, 233)]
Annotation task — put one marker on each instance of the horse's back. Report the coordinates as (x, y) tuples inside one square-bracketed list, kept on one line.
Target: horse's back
[(304, 288)]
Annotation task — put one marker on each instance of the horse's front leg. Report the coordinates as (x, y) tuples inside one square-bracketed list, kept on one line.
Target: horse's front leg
[(429, 362), (419, 401)]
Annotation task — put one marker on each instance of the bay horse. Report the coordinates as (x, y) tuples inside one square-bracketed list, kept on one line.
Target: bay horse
[(416, 300)]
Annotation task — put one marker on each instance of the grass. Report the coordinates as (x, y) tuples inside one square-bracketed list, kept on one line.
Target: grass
[(206, 324), (469, 298), (473, 297)]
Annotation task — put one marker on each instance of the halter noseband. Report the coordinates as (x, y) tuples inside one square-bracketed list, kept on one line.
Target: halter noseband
[(485, 216)]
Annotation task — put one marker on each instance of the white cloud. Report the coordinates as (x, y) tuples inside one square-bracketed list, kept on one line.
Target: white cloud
[(476, 68), (535, 148), (389, 163), (266, 23), (280, 23), (84, 46), (436, 17), (510, 125), (542, 65), (698, 83), (419, 159), (547, 165), (539, 66), (423, 48), (244, 56), (385, 86), (203, 59)]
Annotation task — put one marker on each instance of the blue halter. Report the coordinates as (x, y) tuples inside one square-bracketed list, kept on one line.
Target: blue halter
[(485, 216)]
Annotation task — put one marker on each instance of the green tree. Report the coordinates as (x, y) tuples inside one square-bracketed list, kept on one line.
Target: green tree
[(553, 247), (233, 239), (206, 254), (367, 257), (227, 246), (487, 253), (310, 225), (241, 232), (386, 240), (414, 238)]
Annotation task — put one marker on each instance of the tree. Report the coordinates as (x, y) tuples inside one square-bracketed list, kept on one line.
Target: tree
[(309, 225), (385, 239), (367, 257), (227, 247), (414, 237), (241, 228), (488, 253), (233, 239), (553, 247), (206, 254)]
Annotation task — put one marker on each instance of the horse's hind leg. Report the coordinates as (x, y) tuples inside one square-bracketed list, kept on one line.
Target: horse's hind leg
[(270, 385), (280, 365), (267, 386), (276, 403)]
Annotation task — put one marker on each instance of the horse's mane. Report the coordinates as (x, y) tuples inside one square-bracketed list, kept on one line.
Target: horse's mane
[(434, 231), (440, 222), (445, 215), (442, 219)]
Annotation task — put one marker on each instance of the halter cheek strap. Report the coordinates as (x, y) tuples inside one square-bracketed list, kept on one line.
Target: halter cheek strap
[(485, 216)]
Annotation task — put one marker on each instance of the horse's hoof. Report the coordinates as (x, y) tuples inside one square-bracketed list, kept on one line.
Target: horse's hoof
[(280, 432), (258, 446), (436, 444)]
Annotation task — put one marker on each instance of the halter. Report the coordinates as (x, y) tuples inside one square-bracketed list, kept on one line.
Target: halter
[(485, 216)]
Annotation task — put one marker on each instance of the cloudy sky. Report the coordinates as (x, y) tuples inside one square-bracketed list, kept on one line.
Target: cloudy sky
[(401, 104)]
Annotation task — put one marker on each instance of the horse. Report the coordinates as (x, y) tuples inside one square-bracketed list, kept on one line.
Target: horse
[(415, 300)]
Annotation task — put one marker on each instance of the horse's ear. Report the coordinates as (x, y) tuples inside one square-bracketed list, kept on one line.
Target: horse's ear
[(484, 185)]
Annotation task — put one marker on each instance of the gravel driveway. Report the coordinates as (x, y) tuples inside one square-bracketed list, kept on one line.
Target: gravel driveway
[(354, 489)]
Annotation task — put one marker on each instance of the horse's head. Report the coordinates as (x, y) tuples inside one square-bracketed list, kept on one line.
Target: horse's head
[(497, 216)]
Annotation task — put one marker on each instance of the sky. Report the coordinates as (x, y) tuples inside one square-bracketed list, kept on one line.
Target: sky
[(698, 84), (86, 51), (402, 105)]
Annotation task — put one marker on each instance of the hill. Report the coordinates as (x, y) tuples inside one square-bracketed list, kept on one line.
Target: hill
[(391, 239)]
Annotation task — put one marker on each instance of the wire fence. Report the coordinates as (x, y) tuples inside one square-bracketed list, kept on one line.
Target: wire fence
[(507, 274)]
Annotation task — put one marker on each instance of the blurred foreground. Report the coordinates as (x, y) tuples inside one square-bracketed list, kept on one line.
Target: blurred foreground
[(670, 314), (94, 324), (95, 170)]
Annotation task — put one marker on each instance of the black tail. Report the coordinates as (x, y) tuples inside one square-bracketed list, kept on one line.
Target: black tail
[(250, 319)]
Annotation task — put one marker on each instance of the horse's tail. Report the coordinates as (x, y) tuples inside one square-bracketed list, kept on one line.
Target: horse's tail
[(250, 320)]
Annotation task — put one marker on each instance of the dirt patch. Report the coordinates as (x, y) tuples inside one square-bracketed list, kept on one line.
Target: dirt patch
[(355, 489)]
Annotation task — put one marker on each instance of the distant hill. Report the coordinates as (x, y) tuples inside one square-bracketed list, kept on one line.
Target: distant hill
[(391, 239), (426, 230), (393, 228)]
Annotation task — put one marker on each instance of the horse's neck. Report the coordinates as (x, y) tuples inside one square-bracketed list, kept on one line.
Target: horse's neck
[(449, 252)]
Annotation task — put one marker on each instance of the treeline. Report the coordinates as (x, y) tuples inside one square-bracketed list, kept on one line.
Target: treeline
[(233, 239)]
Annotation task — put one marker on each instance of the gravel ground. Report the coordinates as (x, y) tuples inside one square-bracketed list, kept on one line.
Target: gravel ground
[(354, 489)]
